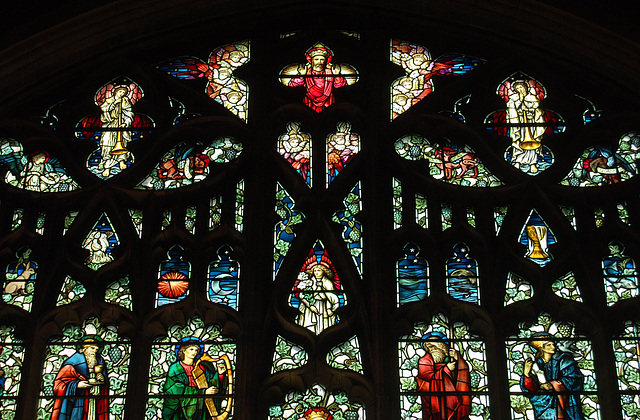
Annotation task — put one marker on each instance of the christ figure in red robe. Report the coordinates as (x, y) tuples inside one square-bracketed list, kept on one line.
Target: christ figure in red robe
[(319, 77)]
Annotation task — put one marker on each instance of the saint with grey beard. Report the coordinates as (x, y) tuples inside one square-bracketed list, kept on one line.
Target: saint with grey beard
[(81, 385), (443, 380)]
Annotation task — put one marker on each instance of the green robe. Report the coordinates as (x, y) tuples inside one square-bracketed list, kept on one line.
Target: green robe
[(186, 407)]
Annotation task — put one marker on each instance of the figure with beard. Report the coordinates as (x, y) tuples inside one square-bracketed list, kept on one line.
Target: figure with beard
[(444, 381), (558, 373), (81, 386), (319, 77)]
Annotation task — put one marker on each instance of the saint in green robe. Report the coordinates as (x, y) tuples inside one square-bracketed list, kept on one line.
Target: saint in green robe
[(189, 406)]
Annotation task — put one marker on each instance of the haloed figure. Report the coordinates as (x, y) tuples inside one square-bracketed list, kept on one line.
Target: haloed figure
[(443, 378), (195, 373), (327, 77), (318, 302), (526, 139), (116, 115)]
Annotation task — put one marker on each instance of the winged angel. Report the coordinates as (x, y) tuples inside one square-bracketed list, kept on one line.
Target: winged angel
[(416, 84), (36, 171), (222, 86)]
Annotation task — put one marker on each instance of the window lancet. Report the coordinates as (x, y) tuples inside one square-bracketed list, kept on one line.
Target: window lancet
[(11, 362), (202, 353), (86, 370), (442, 372), (317, 403), (551, 371)]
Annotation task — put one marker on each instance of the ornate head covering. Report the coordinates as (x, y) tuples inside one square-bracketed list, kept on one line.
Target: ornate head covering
[(317, 413), (538, 339), (319, 49), (92, 340)]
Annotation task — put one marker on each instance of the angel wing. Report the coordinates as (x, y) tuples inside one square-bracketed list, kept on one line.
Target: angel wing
[(12, 157), (455, 64), (186, 67)]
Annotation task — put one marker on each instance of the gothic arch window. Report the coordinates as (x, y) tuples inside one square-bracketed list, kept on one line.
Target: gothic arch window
[(342, 219)]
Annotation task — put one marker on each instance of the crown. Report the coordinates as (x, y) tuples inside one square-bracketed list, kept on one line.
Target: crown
[(319, 49), (317, 414)]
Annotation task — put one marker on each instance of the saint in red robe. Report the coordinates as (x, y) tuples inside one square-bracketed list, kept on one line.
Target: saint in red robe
[(448, 397)]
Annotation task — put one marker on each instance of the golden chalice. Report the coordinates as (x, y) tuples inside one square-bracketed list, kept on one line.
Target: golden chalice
[(535, 233)]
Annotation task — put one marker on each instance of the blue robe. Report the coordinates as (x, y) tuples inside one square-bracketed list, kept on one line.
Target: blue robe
[(546, 404), (72, 371)]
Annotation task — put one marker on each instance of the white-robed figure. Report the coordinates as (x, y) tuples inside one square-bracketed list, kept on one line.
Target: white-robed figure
[(318, 300), (117, 114), (526, 138)]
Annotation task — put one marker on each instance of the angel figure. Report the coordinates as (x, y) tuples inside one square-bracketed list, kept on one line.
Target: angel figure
[(37, 171), (419, 68), (222, 86), (97, 243)]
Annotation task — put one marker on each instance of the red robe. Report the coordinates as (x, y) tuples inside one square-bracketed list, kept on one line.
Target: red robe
[(319, 89), (437, 380), (74, 370)]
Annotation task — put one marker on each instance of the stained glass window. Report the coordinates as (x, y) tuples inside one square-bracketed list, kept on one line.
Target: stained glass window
[(448, 161), (115, 127), (620, 274), (208, 387), (190, 162), (525, 123), (20, 280), (351, 227), (288, 355), (537, 237), (462, 275), (324, 205), (222, 86), (285, 229), (295, 148), (11, 362), (223, 278), (85, 371), (626, 355), (173, 277), (100, 243), (71, 291), (517, 289), (319, 76), (37, 171), (551, 371), (413, 276), (443, 372), (346, 355), (342, 146)]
